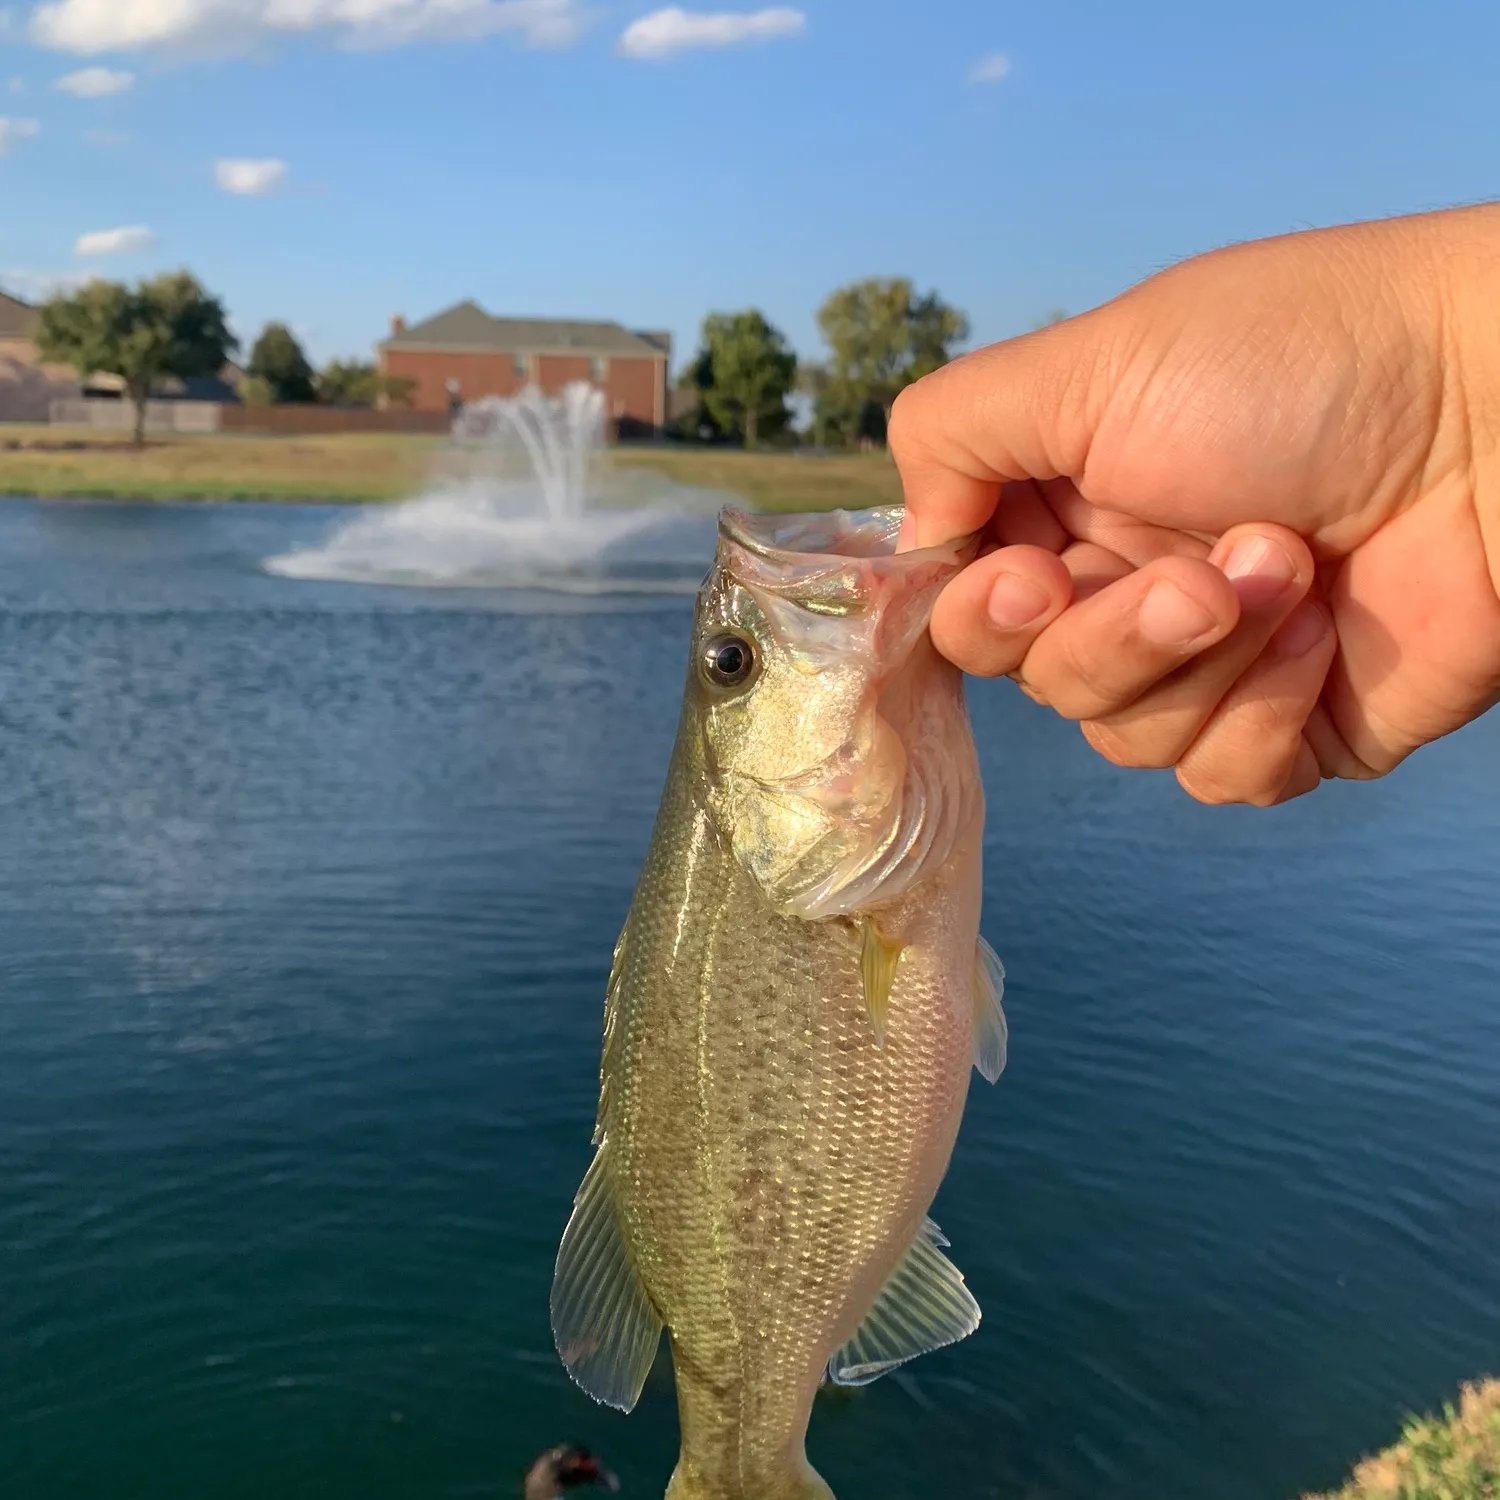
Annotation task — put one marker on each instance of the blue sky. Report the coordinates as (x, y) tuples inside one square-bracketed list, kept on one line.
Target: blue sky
[(580, 159)]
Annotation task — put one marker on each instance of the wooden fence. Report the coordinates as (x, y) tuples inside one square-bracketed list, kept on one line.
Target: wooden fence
[(308, 421)]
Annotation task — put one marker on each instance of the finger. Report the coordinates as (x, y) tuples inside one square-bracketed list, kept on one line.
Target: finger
[(1138, 541), (1269, 569), (1103, 654), (1253, 744), (1306, 776), (1336, 761), (986, 619), (1093, 568), (1025, 408), (1025, 518)]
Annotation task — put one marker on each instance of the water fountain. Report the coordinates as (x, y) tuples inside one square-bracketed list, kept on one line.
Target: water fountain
[(523, 497)]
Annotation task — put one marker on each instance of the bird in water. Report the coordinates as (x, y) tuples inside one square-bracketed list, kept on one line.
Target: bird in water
[(565, 1468)]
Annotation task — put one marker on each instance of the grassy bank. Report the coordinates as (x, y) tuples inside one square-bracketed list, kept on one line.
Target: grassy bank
[(1452, 1457), (56, 462)]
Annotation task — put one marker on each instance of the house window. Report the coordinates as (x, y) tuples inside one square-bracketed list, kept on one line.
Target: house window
[(522, 365), (601, 369)]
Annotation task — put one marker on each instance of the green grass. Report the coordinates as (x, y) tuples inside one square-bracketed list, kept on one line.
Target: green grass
[(85, 464), (1452, 1457), (63, 463)]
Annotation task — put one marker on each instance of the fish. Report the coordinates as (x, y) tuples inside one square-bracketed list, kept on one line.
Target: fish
[(794, 1011)]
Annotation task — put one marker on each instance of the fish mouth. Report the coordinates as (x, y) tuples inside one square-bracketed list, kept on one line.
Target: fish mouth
[(833, 537)]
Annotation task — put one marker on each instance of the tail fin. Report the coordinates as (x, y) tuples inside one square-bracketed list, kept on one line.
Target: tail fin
[(806, 1485)]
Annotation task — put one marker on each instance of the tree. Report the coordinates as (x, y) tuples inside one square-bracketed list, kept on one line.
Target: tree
[(883, 337), (398, 390), (744, 371), (168, 326), (834, 413), (278, 360), (356, 382), (348, 382)]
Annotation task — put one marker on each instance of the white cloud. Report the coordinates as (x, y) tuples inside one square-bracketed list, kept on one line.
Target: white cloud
[(94, 83), (664, 32), (17, 85), (15, 130), (106, 138), (990, 69), (220, 26), (116, 241), (250, 179)]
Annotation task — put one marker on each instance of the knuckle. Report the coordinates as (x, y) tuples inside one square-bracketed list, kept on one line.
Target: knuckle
[(905, 420), (1078, 682), (1122, 747), (1206, 789), (1235, 773)]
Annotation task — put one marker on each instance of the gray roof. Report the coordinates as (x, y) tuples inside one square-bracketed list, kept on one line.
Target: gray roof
[(16, 318), (468, 326)]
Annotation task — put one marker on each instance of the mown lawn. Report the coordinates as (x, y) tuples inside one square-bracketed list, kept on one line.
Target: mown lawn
[(351, 467), (1452, 1457)]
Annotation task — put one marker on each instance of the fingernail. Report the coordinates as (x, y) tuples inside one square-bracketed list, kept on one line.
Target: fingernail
[(1169, 617), (1260, 570), (1303, 629), (1016, 601)]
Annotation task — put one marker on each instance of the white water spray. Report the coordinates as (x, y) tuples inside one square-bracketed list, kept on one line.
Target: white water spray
[(522, 498)]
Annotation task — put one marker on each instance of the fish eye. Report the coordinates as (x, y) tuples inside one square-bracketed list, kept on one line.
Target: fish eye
[(729, 661)]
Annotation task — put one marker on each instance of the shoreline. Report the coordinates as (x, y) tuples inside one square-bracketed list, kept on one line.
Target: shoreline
[(42, 463)]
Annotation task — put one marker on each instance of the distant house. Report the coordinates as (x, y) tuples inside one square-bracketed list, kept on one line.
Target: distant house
[(17, 323), (27, 387), (464, 354)]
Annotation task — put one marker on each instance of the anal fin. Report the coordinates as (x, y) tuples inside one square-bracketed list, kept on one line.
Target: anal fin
[(991, 1036), (923, 1306), (603, 1323), (878, 958)]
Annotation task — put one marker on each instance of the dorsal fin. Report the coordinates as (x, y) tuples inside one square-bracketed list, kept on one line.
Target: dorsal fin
[(991, 1038), (923, 1306), (603, 1323)]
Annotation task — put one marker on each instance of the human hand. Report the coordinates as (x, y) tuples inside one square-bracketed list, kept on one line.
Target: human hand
[(1246, 517)]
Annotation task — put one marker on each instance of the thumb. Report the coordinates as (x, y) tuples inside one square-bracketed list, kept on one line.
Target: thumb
[(1023, 409)]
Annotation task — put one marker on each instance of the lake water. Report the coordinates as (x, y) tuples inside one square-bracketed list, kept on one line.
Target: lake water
[(307, 898)]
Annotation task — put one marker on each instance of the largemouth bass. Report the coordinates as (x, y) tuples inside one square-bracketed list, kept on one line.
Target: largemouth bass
[(795, 1003)]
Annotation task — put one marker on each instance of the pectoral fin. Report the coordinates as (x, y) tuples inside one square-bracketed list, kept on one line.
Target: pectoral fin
[(603, 1323), (878, 957), (991, 1036), (923, 1306)]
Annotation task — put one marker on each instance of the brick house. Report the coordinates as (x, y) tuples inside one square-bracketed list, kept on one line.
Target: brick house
[(27, 387), (464, 353)]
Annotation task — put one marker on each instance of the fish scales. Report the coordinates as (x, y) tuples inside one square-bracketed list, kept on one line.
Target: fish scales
[(767, 1152)]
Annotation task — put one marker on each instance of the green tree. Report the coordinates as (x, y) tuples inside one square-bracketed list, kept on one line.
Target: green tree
[(834, 413), (277, 358), (168, 326), (398, 390), (882, 337), (744, 370), (348, 382), (356, 382)]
